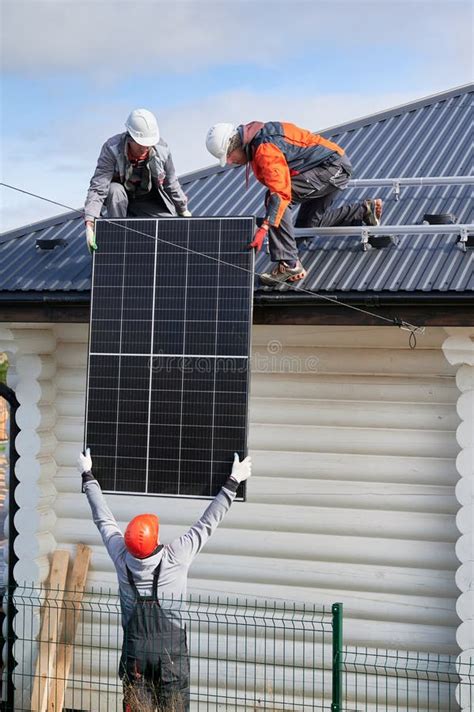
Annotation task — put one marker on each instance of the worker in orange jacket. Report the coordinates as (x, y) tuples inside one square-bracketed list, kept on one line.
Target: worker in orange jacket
[(297, 167)]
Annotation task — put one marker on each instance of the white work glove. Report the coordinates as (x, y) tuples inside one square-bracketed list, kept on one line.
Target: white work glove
[(241, 471), (186, 214), (90, 236), (84, 462)]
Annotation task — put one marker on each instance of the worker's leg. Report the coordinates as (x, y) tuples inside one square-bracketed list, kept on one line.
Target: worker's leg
[(117, 201), (281, 240), (148, 206), (173, 691), (317, 189), (284, 252), (315, 213), (175, 696)]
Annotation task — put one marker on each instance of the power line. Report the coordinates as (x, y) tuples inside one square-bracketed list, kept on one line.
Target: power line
[(413, 329)]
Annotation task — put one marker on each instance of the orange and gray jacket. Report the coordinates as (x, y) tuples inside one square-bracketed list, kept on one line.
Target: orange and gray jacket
[(278, 150), (113, 165)]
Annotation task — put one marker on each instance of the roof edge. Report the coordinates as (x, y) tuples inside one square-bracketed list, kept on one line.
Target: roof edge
[(39, 225), (347, 126), (408, 106), (205, 172), (261, 297)]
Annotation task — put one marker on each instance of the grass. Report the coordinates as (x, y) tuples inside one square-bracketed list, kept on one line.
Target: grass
[(139, 700)]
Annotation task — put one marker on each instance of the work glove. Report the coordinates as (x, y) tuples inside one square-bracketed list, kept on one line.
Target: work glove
[(259, 237), (186, 214), (84, 465), (84, 462), (90, 236), (241, 471)]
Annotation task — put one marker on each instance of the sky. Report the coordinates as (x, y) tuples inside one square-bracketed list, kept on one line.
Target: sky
[(72, 70)]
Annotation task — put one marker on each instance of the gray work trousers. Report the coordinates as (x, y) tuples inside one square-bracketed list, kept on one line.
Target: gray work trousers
[(120, 204), (314, 191)]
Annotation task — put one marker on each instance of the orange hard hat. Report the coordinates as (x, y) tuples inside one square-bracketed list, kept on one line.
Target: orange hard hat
[(141, 535)]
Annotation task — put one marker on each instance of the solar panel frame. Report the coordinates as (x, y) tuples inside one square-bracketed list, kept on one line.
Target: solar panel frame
[(131, 354)]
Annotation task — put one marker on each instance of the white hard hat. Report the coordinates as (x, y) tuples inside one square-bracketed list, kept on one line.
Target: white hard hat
[(218, 139), (143, 127)]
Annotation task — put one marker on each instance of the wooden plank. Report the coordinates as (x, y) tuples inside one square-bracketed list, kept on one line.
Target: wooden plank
[(72, 611), (51, 611)]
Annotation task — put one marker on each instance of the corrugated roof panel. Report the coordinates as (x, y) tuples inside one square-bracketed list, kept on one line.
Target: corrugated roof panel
[(427, 138), (24, 267)]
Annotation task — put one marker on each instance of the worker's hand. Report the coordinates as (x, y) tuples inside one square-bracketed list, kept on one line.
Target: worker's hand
[(186, 214), (259, 237), (84, 462), (90, 236), (241, 471)]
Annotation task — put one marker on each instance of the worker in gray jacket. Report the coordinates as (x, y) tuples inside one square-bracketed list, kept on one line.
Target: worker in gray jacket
[(152, 581), (135, 176)]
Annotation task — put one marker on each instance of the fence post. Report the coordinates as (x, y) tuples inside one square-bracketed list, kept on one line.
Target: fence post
[(337, 613)]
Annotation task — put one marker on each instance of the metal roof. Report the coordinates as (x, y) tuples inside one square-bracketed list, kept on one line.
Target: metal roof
[(430, 137)]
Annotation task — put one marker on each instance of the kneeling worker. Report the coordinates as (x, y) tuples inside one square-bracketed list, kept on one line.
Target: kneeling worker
[(298, 168), (154, 665), (135, 176)]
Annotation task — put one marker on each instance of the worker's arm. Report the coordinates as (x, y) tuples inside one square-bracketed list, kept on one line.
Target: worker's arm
[(100, 183), (190, 544), (101, 514), (270, 168), (172, 186)]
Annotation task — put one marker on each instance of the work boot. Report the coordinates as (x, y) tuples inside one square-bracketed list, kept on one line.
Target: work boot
[(283, 273), (373, 211)]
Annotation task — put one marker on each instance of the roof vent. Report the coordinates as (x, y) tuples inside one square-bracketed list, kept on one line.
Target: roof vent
[(44, 243), (439, 218)]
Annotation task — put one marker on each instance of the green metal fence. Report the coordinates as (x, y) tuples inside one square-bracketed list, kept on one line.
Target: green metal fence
[(245, 654), (377, 680)]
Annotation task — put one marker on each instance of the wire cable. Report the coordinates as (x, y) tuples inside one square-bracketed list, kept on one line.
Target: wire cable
[(395, 321)]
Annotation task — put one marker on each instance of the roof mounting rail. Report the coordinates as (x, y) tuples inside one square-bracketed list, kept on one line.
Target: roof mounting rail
[(365, 232), (397, 183)]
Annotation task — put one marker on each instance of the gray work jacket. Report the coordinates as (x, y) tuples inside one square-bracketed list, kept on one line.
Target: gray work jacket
[(176, 557), (111, 166)]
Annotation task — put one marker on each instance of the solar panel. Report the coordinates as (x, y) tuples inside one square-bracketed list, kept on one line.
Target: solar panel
[(168, 373)]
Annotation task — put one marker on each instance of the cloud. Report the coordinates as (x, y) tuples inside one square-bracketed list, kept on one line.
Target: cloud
[(85, 56), (110, 37)]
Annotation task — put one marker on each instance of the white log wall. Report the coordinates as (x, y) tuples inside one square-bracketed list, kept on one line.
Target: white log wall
[(32, 375), (459, 351), (353, 439)]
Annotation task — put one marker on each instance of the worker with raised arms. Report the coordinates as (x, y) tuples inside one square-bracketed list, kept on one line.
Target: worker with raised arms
[(152, 578)]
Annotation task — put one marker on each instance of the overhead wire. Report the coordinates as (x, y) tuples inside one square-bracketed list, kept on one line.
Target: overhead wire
[(394, 321)]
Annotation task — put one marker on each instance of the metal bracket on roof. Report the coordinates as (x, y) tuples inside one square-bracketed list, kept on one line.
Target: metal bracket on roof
[(364, 239), (466, 238), (396, 189)]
